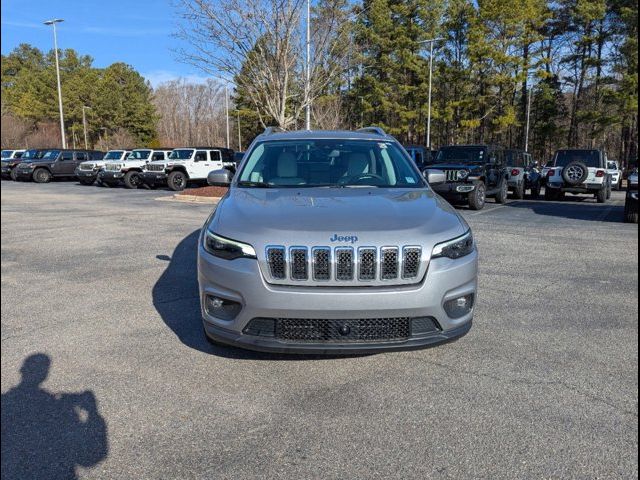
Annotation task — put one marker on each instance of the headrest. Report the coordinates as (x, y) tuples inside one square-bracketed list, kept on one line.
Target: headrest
[(287, 165)]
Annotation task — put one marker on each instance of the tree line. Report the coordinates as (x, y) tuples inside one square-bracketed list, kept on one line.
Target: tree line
[(567, 68)]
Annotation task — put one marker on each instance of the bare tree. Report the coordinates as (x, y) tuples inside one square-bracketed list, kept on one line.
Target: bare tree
[(14, 130), (258, 43), (121, 138)]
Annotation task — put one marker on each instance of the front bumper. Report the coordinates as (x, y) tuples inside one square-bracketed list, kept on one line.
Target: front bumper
[(24, 174), (457, 190), (109, 176), (154, 178), (88, 174), (241, 281), (584, 188), (6, 171)]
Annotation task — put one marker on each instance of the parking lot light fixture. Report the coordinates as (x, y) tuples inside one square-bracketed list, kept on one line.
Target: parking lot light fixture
[(55, 49)]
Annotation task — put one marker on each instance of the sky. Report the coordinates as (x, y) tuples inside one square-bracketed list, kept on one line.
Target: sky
[(137, 32)]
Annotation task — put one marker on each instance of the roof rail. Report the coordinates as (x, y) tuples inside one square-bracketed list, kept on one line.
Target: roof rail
[(272, 130), (376, 130)]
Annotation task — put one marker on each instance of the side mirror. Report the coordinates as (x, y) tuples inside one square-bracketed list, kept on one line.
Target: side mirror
[(435, 177), (220, 178)]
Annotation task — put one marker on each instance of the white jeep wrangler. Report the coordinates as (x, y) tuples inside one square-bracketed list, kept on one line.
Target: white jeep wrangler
[(129, 170), (185, 165), (613, 167), (87, 172), (579, 172)]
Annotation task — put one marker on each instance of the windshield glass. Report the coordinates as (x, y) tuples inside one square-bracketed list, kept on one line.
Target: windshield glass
[(113, 155), (139, 155), (51, 154), (6, 153), (29, 154), (590, 158), (181, 154), (612, 166), (329, 163), (461, 155)]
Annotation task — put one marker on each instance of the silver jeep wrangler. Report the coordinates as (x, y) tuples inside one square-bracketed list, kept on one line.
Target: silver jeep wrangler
[(334, 242)]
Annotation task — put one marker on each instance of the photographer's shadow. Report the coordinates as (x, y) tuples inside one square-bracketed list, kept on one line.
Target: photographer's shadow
[(46, 434)]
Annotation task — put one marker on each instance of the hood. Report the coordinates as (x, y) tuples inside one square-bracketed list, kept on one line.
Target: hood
[(336, 217), (455, 166)]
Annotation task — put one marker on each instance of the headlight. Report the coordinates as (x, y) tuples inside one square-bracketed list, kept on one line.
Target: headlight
[(456, 248), (226, 248), (462, 174)]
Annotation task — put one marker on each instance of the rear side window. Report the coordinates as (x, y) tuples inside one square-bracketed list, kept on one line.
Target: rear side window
[(81, 156), (158, 156), (67, 156), (216, 156)]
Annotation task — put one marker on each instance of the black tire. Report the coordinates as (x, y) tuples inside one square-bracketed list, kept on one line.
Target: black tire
[(619, 185), (535, 190), (86, 181), (551, 194), (132, 179), (519, 191), (478, 197), (42, 175), (13, 174), (609, 192), (630, 214), (503, 195), (575, 173), (177, 181), (601, 196)]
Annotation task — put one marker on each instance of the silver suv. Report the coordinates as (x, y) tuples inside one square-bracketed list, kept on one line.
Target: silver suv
[(333, 242)]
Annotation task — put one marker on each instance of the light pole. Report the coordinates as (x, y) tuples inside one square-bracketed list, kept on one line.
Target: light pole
[(528, 123), (226, 109), (84, 125), (307, 83), (55, 49), (239, 136), (430, 42)]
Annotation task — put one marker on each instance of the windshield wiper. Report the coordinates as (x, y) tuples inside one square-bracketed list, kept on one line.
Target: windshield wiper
[(247, 183)]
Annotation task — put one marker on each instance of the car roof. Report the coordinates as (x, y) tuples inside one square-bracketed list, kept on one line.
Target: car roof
[(325, 135)]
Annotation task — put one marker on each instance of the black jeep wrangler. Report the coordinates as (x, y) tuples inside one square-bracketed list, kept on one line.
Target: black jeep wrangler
[(473, 172), (55, 163)]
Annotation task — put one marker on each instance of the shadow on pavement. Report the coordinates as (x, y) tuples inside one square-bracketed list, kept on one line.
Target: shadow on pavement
[(176, 298), (574, 209), (46, 434)]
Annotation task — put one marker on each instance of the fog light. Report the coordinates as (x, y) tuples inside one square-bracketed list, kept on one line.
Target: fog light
[(459, 307), (221, 307)]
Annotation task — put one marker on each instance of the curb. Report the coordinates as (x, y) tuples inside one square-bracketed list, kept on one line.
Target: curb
[(189, 199)]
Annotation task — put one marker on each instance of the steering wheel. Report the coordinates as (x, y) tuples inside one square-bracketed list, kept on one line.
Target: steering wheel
[(356, 179)]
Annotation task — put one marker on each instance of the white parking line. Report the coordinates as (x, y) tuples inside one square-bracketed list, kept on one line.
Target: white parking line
[(494, 209)]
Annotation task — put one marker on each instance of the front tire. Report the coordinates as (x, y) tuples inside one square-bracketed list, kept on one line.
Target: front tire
[(132, 179), (42, 175), (478, 197), (13, 174), (177, 181), (630, 215), (503, 195)]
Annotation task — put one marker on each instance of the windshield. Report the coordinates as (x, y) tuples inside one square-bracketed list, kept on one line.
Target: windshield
[(113, 155), (461, 155), (139, 155), (612, 166), (181, 154), (6, 153), (51, 154), (329, 163), (29, 154), (590, 158)]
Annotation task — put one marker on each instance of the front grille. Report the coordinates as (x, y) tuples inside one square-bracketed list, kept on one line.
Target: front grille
[(113, 167), (344, 264), (155, 167), (87, 166), (452, 175), (299, 263), (350, 330)]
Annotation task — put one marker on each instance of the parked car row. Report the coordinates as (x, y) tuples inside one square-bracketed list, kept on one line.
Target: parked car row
[(171, 167)]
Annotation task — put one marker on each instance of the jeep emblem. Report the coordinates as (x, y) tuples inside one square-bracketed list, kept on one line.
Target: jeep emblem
[(344, 238)]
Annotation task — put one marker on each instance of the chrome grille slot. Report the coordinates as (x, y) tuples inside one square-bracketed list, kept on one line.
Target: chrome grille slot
[(277, 262), (154, 167), (411, 261), (389, 263), (321, 263), (452, 175), (368, 263), (113, 167), (87, 166), (299, 263), (344, 263)]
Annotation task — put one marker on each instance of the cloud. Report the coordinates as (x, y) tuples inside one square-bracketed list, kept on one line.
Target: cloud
[(156, 77)]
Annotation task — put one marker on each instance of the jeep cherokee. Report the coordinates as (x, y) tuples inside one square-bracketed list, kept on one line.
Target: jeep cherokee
[(334, 242)]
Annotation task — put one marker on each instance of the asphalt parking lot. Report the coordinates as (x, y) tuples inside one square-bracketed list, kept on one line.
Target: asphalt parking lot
[(102, 284)]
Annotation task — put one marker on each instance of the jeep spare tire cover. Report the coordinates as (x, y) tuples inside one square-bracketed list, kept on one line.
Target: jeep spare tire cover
[(575, 173)]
